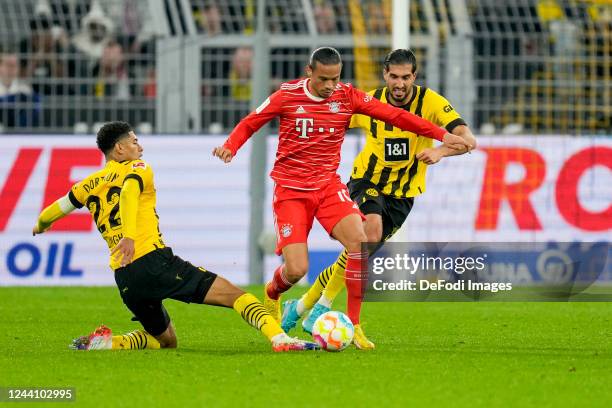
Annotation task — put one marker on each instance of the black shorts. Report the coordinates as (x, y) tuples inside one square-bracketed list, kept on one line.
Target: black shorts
[(156, 276), (372, 201)]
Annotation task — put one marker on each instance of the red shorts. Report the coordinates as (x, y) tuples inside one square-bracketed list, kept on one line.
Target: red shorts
[(295, 210)]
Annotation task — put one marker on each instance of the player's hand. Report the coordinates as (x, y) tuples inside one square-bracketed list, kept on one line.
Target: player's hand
[(124, 250), (223, 153), (430, 156), (456, 142)]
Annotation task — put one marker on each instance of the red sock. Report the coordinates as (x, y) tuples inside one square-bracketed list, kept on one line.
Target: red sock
[(356, 278), (278, 284)]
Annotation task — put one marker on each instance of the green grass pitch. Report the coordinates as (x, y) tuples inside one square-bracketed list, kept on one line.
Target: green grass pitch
[(428, 354)]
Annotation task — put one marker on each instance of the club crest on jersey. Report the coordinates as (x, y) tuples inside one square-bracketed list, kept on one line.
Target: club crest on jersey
[(334, 107), (286, 230), (372, 192), (139, 165)]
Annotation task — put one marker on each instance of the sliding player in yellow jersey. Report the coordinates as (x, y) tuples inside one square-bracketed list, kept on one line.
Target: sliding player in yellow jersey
[(387, 175), (121, 199)]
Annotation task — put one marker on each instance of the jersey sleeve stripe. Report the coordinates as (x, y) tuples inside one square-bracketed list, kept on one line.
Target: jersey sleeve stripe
[(373, 125), (74, 201), (135, 177), (457, 122), (419, 107)]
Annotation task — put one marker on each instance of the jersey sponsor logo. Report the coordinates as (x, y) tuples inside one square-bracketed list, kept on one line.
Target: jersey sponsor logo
[(300, 109), (396, 149), (139, 165), (372, 192), (448, 108), (286, 230), (334, 107), (263, 105), (304, 126)]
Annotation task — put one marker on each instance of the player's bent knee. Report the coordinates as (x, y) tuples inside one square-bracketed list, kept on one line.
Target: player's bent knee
[(354, 245), (172, 343), (222, 293), (168, 338), (296, 270)]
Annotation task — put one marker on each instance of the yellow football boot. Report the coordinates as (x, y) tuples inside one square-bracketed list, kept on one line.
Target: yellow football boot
[(360, 340)]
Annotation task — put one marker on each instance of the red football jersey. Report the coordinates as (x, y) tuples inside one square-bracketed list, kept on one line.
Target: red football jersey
[(312, 130)]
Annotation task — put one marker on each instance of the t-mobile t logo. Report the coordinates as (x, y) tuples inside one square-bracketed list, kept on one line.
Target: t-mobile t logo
[(306, 126)]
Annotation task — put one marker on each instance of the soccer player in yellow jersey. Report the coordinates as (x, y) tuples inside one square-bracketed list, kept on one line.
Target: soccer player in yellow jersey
[(387, 175), (121, 199)]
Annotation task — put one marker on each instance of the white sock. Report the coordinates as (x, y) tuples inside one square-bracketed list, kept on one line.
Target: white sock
[(325, 301), (279, 337), (300, 308)]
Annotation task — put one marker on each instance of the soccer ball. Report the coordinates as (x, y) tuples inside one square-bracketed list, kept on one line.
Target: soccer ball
[(333, 331)]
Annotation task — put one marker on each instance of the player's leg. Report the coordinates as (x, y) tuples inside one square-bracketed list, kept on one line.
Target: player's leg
[(157, 333), (323, 282), (373, 227), (350, 232), (294, 309), (341, 217), (134, 283), (347, 231), (191, 284), (158, 330), (293, 216), (224, 293), (324, 291), (334, 283), (285, 276)]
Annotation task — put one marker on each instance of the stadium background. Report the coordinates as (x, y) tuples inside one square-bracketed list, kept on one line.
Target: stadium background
[(531, 77)]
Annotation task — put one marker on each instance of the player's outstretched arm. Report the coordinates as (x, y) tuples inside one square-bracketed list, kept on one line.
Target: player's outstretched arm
[(250, 124), (366, 104), (52, 213), (435, 154)]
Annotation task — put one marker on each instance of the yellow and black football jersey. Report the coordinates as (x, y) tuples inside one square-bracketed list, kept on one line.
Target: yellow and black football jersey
[(388, 157), (100, 192)]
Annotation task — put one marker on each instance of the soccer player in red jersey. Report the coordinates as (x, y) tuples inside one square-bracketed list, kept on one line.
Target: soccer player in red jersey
[(315, 113)]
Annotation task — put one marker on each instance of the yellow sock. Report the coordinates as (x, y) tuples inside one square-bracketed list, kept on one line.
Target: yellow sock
[(336, 281), (254, 313), (314, 292), (136, 340)]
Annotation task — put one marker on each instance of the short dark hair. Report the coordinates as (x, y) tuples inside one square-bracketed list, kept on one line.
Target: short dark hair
[(399, 57), (324, 56), (110, 134)]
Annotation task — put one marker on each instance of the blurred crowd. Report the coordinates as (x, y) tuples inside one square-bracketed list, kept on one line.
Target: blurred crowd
[(98, 56)]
